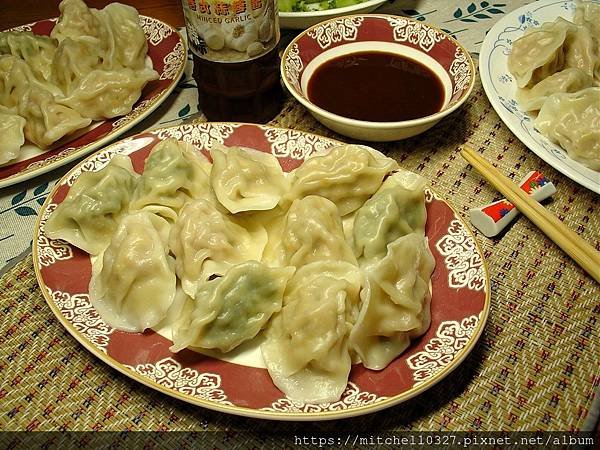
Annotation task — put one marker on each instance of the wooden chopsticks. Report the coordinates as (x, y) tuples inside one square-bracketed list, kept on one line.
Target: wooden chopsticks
[(574, 246)]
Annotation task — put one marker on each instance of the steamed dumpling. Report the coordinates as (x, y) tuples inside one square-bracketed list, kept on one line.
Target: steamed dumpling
[(581, 50), (306, 351), (104, 94), (232, 309), (133, 283), (173, 173), (36, 51), (395, 302), (16, 80), (121, 39), (568, 80), (75, 20), (312, 231), (396, 209), (33, 99), (347, 175), (11, 134), (90, 214), (206, 242), (539, 52), (102, 70), (573, 122), (73, 61), (47, 121), (246, 180), (12, 84), (93, 66), (587, 13)]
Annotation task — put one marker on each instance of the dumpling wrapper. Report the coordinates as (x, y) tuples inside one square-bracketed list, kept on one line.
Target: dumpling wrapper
[(232, 309), (538, 53), (11, 135), (567, 81), (75, 20), (73, 61), (90, 214), (121, 39), (48, 121), (395, 210), (104, 94), (347, 175), (207, 242), (174, 172), (311, 231), (133, 282), (581, 49), (36, 51), (395, 302), (16, 81), (587, 13), (122, 36), (306, 350), (246, 179), (573, 122)]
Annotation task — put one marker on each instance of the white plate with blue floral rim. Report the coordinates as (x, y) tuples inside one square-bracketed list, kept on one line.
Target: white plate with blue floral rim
[(500, 86)]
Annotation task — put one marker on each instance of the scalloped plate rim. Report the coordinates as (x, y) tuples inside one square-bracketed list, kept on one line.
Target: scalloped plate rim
[(253, 412)]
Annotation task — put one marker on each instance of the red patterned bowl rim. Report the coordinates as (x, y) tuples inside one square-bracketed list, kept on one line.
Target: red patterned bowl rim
[(291, 75), (120, 147), (107, 130)]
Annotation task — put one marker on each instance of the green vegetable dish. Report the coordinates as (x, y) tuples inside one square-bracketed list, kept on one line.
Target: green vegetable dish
[(314, 5)]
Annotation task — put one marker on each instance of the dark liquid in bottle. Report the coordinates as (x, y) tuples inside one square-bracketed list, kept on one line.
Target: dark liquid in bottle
[(248, 91)]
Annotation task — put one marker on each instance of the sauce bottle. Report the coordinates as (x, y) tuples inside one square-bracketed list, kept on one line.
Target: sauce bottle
[(236, 60)]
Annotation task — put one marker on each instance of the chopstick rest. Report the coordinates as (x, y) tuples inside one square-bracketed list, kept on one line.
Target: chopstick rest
[(493, 218), (572, 244)]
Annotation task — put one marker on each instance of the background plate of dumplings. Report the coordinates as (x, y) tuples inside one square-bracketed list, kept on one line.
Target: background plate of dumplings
[(167, 51), (459, 306), (500, 86)]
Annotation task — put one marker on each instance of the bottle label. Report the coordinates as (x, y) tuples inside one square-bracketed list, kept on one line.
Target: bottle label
[(231, 30)]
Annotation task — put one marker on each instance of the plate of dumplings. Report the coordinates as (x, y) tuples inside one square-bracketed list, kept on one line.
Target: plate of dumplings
[(261, 271), (540, 68), (70, 85)]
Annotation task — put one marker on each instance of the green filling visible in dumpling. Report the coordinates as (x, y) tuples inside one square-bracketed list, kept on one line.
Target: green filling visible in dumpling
[(90, 213), (385, 217), (174, 172), (233, 308)]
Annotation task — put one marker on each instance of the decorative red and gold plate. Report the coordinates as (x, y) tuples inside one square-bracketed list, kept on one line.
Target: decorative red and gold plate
[(168, 53), (241, 385)]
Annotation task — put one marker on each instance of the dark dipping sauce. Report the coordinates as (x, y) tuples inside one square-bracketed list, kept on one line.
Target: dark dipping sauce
[(377, 87)]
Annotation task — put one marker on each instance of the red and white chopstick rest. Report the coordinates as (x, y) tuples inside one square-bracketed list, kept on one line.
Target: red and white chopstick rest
[(493, 218)]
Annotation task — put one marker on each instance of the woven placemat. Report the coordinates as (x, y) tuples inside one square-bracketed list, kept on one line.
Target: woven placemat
[(535, 367)]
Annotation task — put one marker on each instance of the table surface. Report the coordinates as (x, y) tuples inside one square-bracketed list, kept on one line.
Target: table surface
[(534, 369)]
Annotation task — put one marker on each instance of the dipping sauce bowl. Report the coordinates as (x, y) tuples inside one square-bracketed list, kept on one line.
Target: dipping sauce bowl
[(377, 77)]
